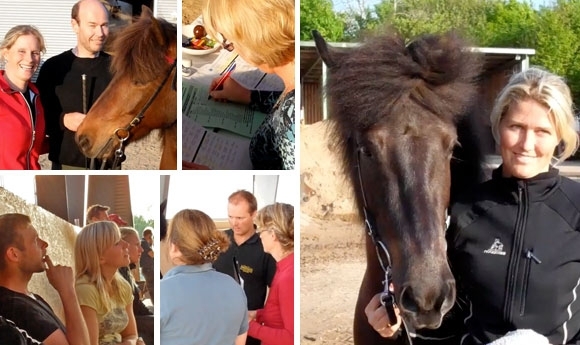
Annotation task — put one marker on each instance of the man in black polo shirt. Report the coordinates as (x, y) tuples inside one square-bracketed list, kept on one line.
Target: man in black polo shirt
[(256, 267)]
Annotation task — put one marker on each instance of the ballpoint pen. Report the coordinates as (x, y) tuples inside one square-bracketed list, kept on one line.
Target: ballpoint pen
[(225, 75)]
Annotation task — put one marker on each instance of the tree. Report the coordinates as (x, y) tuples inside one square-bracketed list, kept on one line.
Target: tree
[(319, 15), (510, 24), (140, 223)]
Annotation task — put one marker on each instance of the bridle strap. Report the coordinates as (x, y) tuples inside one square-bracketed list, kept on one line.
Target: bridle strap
[(120, 152), (387, 297)]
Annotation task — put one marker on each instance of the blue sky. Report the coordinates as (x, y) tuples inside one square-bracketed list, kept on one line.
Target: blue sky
[(341, 5)]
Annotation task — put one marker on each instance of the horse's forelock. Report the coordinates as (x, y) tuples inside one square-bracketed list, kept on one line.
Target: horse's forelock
[(389, 82), (140, 49), (432, 73)]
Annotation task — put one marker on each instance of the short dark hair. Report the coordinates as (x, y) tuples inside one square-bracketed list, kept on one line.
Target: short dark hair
[(10, 223), (94, 210), (147, 232), (242, 194)]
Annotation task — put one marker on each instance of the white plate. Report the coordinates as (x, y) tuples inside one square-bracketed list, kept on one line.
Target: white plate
[(188, 33), (201, 51)]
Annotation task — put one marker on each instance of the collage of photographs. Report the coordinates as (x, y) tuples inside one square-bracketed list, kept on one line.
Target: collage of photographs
[(430, 188)]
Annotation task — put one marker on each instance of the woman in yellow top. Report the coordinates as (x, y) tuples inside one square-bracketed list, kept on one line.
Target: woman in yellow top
[(104, 295)]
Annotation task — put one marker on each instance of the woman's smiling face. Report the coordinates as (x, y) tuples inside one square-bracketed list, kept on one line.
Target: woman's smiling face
[(527, 139), (23, 57)]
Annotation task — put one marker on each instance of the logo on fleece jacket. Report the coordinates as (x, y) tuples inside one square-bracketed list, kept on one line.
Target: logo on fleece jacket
[(496, 248)]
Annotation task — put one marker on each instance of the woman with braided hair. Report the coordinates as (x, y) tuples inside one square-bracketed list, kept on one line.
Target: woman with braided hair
[(199, 306)]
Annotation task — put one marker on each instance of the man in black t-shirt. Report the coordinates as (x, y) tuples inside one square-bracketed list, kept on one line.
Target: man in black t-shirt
[(256, 268), (60, 83), (11, 334), (23, 253)]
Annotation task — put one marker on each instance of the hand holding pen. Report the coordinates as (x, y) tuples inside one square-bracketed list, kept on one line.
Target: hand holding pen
[(231, 91), (220, 82)]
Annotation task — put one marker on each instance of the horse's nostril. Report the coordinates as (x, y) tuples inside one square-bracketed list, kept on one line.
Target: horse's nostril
[(407, 301), (83, 142), (449, 299)]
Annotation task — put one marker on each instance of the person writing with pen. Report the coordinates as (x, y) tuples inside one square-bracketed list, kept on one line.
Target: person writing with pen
[(262, 33)]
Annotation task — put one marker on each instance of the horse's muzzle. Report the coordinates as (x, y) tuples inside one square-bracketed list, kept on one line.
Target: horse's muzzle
[(425, 307)]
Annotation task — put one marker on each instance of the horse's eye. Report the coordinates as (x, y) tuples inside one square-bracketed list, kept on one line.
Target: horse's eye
[(365, 150)]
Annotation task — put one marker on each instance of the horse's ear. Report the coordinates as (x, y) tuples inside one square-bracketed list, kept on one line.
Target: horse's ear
[(146, 12), (156, 29), (322, 49)]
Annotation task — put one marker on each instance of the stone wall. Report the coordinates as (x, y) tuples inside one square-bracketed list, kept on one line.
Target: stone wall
[(59, 234), (324, 190)]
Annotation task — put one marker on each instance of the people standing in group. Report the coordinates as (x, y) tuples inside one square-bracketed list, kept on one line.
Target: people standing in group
[(199, 306), (22, 133), (262, 33), (274, 324), (143, 315), (22, 254), (62, 85), (105, 297), (147, 261), (513, 243), (256, 267)]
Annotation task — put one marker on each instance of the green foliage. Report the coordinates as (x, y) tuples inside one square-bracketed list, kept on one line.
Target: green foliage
[(319, 15), (558, 43), (553, 31), (140, 223), (509, 24)]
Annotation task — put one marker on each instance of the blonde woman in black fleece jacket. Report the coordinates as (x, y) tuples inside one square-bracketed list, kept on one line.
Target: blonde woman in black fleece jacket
[(514, 244)]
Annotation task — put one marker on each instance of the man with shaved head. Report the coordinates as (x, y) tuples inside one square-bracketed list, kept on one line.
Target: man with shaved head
[(61, 83), (22, 254)]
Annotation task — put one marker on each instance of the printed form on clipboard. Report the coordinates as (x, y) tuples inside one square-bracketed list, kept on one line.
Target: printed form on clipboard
[(218, 134), (223, 151)]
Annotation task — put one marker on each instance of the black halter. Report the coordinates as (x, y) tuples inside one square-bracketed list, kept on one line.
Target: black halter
[(118, 133), (387, 297)]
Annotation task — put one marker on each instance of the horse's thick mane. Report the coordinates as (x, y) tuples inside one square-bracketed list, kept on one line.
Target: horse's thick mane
[(140, 49), (386, 75), (391, 82)]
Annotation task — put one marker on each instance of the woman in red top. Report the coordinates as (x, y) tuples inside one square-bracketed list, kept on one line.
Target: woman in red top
[(22, 126), (274, 325)]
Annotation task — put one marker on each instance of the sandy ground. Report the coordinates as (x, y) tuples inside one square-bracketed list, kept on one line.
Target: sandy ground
[(331, 269), (142, 155), (331, 254), (191, 10)]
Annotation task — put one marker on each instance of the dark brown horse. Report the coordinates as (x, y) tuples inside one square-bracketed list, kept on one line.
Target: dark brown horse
[(141, 97), (398, 115)]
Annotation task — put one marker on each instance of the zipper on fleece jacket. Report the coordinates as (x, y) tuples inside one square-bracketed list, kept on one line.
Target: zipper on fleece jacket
[(516, 253), (32, 128), (527, 268)]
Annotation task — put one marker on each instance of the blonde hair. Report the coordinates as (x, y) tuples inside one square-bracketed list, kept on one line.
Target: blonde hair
[(278, 217), (127, 231), (91, 243), (262, 31), (548, 90), (21, 30), (195, 235)]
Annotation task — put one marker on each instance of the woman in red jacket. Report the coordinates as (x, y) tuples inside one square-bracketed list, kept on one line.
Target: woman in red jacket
[(274, 325), (22, 130)]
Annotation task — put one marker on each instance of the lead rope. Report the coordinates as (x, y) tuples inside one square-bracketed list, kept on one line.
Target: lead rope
[(387, 297)]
